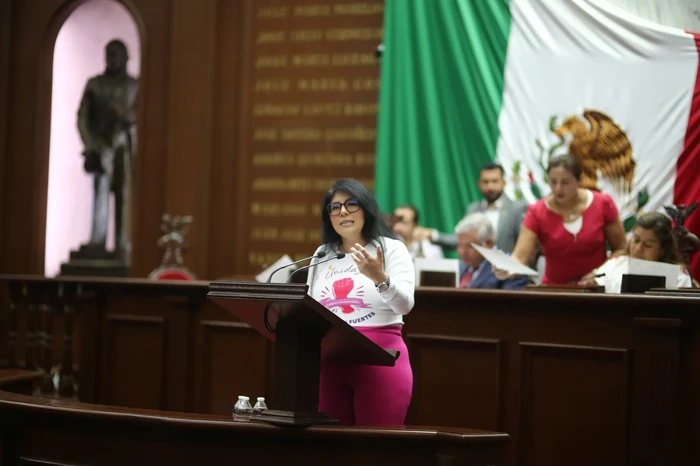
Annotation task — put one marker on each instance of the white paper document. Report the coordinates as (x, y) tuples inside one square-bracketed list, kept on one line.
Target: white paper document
[(656, 269), (501, 260), (280, 277)]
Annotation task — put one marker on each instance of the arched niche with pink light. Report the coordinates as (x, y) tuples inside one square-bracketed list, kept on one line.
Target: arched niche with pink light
[(78, 55)]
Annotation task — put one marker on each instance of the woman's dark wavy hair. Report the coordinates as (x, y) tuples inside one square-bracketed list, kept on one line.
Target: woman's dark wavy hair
[(375, 224), (568, 162), (663, 229)]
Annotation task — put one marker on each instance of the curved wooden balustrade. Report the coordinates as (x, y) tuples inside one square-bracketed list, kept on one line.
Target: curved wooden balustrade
[(37, 430), (573, 378), (18, 380)]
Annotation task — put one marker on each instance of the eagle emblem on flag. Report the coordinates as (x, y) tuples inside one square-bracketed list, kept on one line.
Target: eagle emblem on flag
[(603, 149)]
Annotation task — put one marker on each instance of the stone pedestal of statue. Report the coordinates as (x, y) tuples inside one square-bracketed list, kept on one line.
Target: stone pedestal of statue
[(91, 261)]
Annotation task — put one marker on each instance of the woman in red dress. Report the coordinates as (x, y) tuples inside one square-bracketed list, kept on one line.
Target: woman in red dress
[(572, 225)]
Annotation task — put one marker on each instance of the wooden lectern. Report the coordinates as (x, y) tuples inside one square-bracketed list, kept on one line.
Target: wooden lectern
[(304, 332)]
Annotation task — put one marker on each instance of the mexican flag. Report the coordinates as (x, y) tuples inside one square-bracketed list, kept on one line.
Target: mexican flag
[(464, 82)]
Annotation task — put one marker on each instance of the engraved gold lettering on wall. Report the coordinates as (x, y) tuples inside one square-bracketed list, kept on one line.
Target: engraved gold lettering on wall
[(312, 10), (285, 209), (270, 37), (258, 259), (343, 9), (301, 134), (312, 159), (273, 159), (322, 84), (292, 235), (365, 84), (349, 34), (306, 35), (265, 134), (315, 134), (364, 160), (276, 110), (264, 234), (273, 12), (299, 184), (358, 109), (324, 109), (353, 59), (350, 134), (271, 61), (272, 85), (311, 59), (311, 108), (334, 59), (359, 9), (324, 159), (293, 184), (296, 235)]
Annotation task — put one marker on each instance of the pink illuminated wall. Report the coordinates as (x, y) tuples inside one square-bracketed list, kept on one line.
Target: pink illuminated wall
[(78, 55)]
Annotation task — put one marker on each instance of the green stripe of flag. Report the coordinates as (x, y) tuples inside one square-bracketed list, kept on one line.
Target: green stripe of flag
[(441, 93)]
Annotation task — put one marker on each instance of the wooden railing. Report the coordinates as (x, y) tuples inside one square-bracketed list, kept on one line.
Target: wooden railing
[(541, 366)]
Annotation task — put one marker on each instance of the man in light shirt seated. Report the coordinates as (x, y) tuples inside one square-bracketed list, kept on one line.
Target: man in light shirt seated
[(405, 221), (474, 270)]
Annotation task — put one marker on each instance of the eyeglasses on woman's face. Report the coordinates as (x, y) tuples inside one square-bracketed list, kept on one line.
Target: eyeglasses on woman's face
[(351, 205)]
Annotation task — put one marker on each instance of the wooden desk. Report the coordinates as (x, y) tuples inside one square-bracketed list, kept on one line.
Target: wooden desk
[(71, 433), (573, 378), (18, 380), (566, 288)]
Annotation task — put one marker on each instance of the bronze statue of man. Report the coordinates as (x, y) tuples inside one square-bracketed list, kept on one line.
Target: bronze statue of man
[(107, 125)]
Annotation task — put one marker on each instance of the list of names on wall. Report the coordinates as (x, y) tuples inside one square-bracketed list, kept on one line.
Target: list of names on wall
[(313, 110)]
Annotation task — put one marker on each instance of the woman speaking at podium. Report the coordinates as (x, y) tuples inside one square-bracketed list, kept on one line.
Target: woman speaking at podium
[(371, 288)]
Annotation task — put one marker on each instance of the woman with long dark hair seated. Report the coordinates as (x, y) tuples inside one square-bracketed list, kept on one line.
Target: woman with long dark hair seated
[(371, 288), (652, 240)]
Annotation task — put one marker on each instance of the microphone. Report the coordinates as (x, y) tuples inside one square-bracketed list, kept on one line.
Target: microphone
[(319, 255), (339, 255)]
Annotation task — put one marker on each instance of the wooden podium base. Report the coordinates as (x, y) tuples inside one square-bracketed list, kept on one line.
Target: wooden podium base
[(297, 324), (293, 419)]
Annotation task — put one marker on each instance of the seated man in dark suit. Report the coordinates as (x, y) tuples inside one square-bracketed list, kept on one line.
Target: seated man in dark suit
[(474, 270)]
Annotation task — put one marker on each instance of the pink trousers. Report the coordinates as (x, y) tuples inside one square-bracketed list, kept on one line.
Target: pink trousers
[(369, 395)]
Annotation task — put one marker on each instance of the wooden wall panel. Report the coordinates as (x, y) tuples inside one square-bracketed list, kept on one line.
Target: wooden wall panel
[(231, 360), (23, 172), (154, 130), (134, 348), (667, 339), (564, 388), (190, 119), (231, 66), (453, 364), (5, 48)]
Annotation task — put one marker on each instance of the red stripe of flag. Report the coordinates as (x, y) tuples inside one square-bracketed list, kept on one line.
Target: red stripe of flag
[(687, 187)]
